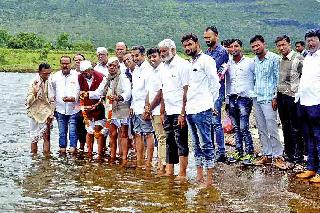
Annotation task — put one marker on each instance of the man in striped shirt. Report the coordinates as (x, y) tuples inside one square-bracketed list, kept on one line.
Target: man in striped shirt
[(265, 88)]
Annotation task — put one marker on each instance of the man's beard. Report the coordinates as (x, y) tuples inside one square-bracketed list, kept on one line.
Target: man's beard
[(210, 43), (192, 53), (168, 58)]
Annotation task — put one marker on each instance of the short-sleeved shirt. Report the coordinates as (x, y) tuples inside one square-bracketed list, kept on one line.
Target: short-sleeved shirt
[(173, 78)]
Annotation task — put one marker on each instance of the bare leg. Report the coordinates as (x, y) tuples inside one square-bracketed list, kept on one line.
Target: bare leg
[(124, 142), (113, 134), (209, 180), (46, 141), (89, 140), (34, 148), (150, 149), (169, 169), (140, 149), (200, 178), (100, 141), (119, 145), (183, 168)]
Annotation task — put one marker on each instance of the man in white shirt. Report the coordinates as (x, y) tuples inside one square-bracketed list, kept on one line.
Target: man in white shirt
[(309, 105), (102, 54), (157, 122), (174, 80), (142, 125), (239, 87), (66, 93), (81, 129), (203, 91)]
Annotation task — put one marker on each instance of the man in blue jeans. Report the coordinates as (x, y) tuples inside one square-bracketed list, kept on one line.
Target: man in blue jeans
[(66, 93), (309, 105), (239, 86), (203, 87), (220, 55)]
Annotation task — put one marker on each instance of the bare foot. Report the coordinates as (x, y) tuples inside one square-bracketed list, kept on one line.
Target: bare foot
[(181, 179), (199, 180)]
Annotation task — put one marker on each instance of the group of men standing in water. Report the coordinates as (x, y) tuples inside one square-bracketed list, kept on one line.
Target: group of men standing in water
[(142, 96)]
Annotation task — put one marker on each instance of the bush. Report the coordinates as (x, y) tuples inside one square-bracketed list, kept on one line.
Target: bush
[(26, 41), (4, 38)]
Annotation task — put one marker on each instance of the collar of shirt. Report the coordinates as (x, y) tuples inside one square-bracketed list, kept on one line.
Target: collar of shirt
[(193, 60), (289, 56), (158, 68), (101, 65), (173, 61), (143, 64), (267, 56), (234, 62), (217, 48), (316, 53)]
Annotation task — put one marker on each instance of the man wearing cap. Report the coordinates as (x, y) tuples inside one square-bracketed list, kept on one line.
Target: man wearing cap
[(102, 54), (93, 109), (117, 89), (142, 125)]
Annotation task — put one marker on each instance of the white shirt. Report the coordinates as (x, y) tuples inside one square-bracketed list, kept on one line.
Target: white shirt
[(309, 87), (102, 69), (140, 77), (173, 78), (240, 77), (126, 89), (66, 86), (89, 81), (123, 67), (204, 84), (155, 86)]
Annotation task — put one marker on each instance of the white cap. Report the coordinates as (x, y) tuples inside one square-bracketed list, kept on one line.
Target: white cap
[(102, 50), (85, 65), (112, 59)]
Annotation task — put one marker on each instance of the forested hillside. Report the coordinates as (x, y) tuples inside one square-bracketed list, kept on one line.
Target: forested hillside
[(105, 22)]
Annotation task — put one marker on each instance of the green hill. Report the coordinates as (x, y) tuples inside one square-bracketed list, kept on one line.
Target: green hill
[(104, 22)]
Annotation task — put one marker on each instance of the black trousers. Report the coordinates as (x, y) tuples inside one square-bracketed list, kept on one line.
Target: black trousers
[(291, 127), (176, 139)]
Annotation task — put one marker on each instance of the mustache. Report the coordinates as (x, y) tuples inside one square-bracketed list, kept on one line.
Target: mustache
[(210, 43)]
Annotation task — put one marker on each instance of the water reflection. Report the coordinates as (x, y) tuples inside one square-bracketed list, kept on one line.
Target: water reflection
[(66, 185)]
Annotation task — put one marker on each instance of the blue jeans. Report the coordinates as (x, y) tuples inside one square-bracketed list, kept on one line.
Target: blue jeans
[(66, 122), (310, 118), (200, 126), (216, 128), (239, 113)]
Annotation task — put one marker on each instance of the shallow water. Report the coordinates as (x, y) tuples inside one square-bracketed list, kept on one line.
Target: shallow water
[(66, 185)]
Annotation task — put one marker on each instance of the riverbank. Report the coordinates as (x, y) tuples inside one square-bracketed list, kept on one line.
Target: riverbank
[(27, 61)]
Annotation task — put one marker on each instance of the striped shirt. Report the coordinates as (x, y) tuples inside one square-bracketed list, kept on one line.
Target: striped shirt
[(266, 77)]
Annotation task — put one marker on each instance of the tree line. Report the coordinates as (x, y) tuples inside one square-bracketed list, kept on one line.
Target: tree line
[(32, 41)]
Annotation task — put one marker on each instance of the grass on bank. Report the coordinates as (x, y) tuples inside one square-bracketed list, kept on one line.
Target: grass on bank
[(24, 61), (20, 60)]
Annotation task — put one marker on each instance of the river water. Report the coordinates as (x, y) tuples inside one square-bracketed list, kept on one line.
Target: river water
[(57, 184)]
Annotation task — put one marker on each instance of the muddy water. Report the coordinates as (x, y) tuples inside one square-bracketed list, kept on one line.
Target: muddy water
[(67, 185)]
